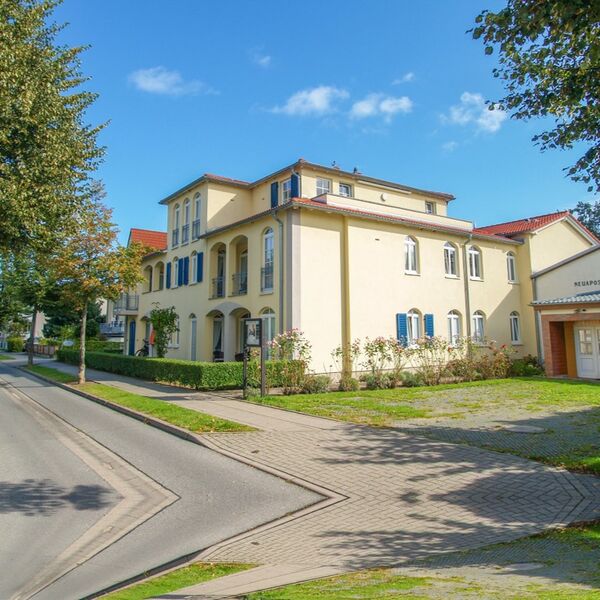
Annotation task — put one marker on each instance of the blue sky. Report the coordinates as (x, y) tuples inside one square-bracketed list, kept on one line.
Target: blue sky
[(243, 87)]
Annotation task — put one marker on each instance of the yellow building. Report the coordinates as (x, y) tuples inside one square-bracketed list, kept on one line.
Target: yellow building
[(340, 255)]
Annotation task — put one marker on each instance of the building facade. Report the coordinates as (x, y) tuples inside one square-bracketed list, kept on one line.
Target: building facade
[(339, 255)]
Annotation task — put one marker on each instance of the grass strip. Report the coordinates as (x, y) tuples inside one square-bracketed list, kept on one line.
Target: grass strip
[(180, 578), (6, 357), (186, 418)]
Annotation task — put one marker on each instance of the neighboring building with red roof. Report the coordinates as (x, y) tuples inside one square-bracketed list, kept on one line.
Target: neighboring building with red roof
[(154, 240), (340, 255)]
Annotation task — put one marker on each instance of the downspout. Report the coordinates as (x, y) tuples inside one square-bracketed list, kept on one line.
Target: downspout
[(280, 248), (466, 285), (536, 320)]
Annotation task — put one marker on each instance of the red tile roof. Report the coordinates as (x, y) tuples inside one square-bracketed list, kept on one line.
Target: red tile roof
[(225, 179), (522, 225), (155, 240)]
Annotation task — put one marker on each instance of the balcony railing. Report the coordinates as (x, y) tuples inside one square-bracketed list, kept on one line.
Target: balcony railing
[(115, 329), (218, 287), (266, 278), (127, 303), (240, 284), (185, 234), (175, 237), (196, 229)]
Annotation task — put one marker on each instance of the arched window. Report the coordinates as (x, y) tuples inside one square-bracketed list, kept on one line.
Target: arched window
[(175, 273), (410, 255), (185, 230), (511, 267), (515, 328), (413, 323), (475, 266), (268, 256), (176, 223), (194, 267), (453, 327), (450, 260), (478, 327), (196, 224)]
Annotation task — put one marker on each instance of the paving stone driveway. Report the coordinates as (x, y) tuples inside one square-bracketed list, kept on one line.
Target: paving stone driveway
[(405, 497)]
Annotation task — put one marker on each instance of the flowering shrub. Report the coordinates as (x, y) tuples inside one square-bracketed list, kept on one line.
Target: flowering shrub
[(430, 357), (292, 348), (350, 353)]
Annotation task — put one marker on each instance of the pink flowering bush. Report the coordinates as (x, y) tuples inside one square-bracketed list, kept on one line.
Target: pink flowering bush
[(294, 350)]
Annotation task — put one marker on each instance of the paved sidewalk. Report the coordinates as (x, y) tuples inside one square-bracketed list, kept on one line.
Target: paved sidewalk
[(399, 497)]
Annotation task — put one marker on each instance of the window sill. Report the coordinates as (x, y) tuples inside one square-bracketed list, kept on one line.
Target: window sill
[(514, 282), (516, 343), (266, 292), (412, 273), (476, 278), (173, 346), (451, 276)]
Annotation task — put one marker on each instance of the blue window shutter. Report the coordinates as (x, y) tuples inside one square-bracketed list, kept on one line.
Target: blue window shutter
[(274, 194), (429, 325), (168, 277), (186, 270), (402, 328), (200, 267), (180, 272), (295, 180)]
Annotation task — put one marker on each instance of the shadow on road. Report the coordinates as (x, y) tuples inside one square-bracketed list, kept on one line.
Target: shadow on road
[(43, 497)]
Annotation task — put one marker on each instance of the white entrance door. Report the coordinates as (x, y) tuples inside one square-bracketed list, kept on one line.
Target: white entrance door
[(587, 348)]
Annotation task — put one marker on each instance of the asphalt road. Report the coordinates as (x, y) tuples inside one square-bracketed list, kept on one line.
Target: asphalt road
[(49, 497)]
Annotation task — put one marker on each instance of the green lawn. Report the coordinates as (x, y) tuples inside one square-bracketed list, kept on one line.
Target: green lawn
[(175, 580), (384, 407), (171, 413), (6, 357)]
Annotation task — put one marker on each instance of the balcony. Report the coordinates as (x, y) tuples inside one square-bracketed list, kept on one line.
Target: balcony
[(114, 329), (127, 304), (185, 234), (266, 278), (196, 229), (218, 287), (175, 238), (240, 284)]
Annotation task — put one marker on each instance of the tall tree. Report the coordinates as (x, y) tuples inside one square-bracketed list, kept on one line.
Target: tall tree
[(549, 63), (47, 152), (91, 266)]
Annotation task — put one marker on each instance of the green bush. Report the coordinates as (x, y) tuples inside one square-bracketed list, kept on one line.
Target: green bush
[(379, 381), (411, 379), (525, 367), (197, 375), (102, 346), (348, 384), (15, 344), (316, 384)]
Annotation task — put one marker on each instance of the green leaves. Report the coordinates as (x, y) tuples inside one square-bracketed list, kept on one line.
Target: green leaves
[(549, 63)]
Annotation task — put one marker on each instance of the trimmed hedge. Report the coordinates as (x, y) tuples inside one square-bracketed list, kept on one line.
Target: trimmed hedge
[(101, 346), (197, 375)]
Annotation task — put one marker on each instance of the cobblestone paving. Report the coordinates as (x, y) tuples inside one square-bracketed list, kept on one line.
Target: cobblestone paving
[(407, 497)]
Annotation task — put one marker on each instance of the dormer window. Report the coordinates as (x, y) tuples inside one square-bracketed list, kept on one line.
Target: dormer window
[(323, 186), (346, 190), (430, 208)]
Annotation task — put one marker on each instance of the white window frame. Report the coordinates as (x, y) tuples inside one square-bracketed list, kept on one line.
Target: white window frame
[(175, 336), (450, 251), (194, 267), (197, 206), (174, 283), (511, 267), (515, 327), (411, 259), (348, 188), (430, 207), (454, 330), (268, 316), (478, 321), (475, 263), (323, 186), (268, 247), (176, 217), (186, 212), (286, 190), (413, 326)]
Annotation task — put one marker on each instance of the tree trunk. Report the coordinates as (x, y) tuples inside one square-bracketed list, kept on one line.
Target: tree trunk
[(31, 337), (82, 344)]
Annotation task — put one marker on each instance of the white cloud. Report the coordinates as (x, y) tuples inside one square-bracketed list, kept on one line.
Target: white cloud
[(262, 60), (473, 109), (375, 105), (406, 78), (159, 80), (450, 146), (317, 101)]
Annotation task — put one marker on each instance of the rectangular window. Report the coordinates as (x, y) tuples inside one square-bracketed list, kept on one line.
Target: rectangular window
[(450, 261), (511, 268), (414, 328), (286, 190), (323, 186), (430, 208), (346, 190), (474, 263), (585, 341), (515, 329)]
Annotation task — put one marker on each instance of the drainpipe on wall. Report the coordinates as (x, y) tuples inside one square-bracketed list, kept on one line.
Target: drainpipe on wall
[(536, 320), (280, 244), (466, 284)]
